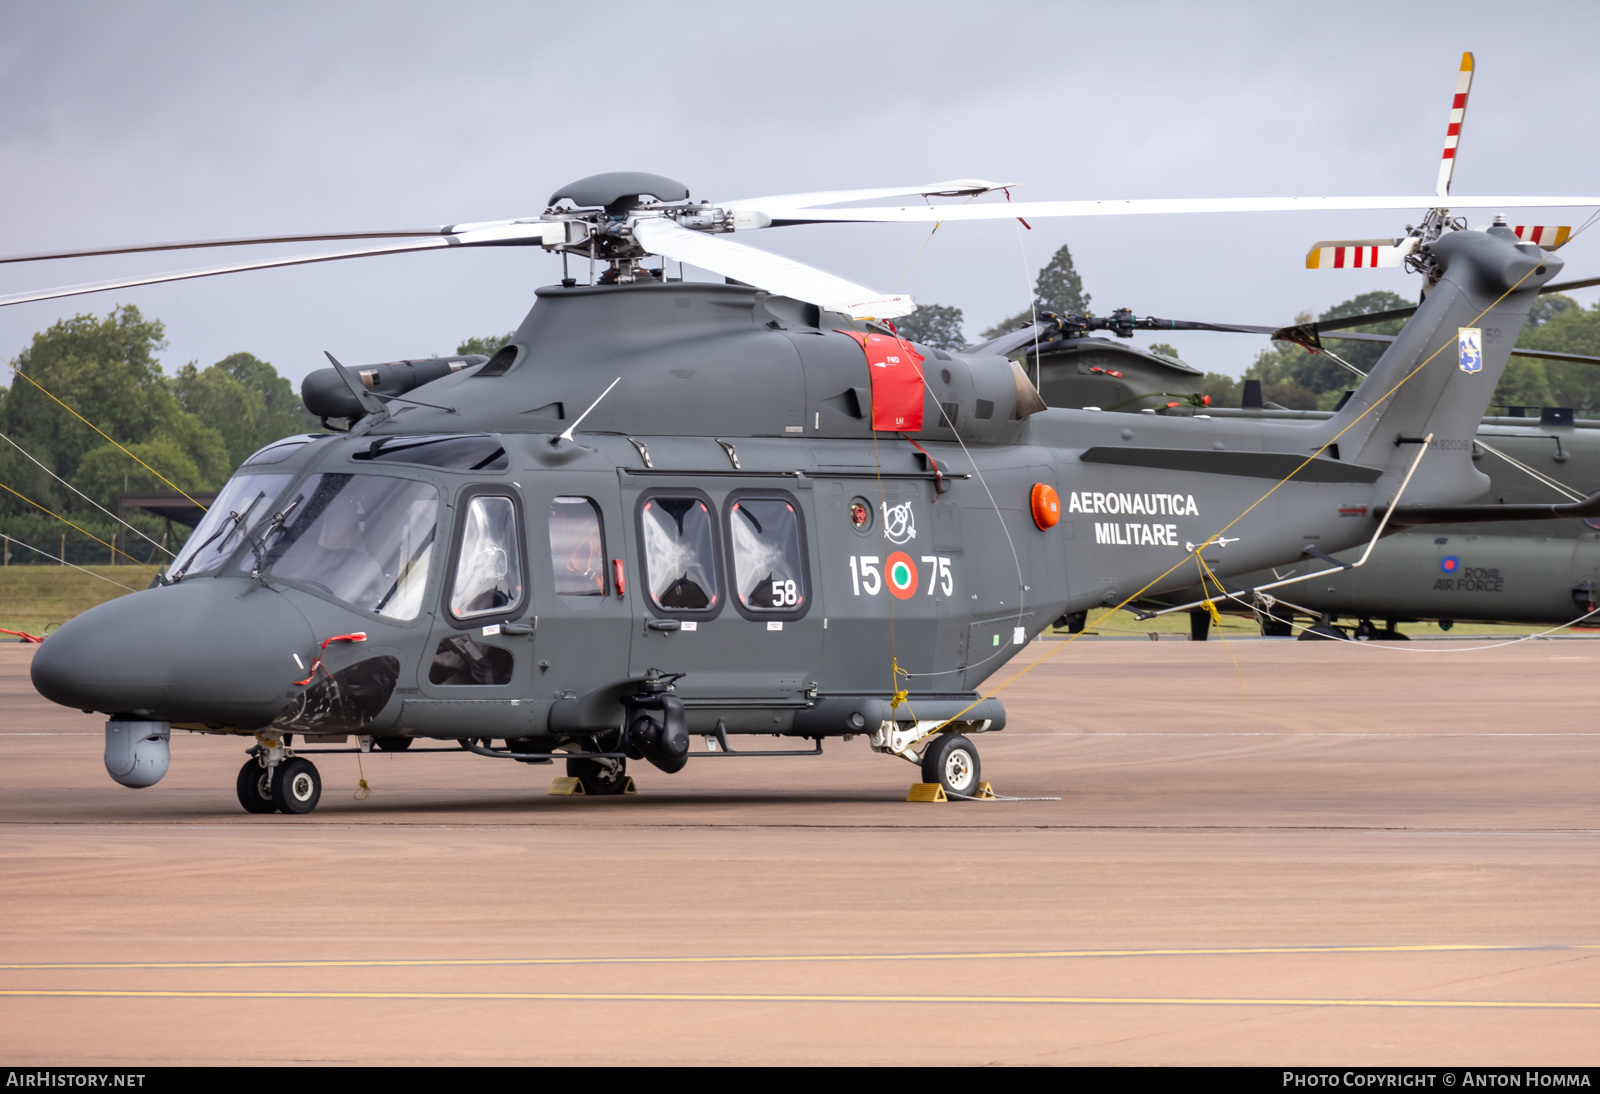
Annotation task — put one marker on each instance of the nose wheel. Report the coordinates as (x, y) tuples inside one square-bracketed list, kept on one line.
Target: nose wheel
[(952, 762), (292, 786), (255, 788)]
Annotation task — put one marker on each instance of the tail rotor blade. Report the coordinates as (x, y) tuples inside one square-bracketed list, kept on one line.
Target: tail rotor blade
[(1452, 136)]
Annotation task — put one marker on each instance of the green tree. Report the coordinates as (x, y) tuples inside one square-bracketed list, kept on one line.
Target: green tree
[(248, 397), (1059, 289), (933, 325), (1293, 377), (1564, 327), (1223, 389), (105, 369), (488, 346), (1164, 349)]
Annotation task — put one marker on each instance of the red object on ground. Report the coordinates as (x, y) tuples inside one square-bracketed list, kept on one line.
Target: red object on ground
[(896, 372), (24, 635)]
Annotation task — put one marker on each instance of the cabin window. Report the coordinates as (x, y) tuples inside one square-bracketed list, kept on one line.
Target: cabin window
[(577, 550), (769, 571), (461, 661), (488, 577), (679, 554), (362, 539)]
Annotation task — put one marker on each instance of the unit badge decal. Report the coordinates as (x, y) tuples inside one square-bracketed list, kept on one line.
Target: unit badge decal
[(1469, 344)]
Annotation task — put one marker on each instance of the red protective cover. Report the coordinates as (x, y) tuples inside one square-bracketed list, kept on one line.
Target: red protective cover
[(896, 371)]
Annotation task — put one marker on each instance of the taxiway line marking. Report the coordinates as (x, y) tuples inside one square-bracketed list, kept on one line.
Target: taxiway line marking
[(754, 997), (734, 959)]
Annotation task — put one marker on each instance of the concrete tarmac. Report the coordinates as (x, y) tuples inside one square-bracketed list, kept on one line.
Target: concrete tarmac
[(1264, 852)]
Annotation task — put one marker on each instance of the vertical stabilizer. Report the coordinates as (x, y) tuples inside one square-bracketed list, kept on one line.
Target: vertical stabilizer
[(1453, 351)]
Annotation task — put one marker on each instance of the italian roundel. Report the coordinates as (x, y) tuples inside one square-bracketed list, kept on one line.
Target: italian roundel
[(901, 575)]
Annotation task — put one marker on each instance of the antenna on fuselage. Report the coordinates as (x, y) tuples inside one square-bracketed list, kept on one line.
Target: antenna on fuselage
[(566, 434)]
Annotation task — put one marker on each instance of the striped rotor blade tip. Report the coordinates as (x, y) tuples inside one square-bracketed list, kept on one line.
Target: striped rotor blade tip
[(1355, 254), (1452, 136), (1544, 235)]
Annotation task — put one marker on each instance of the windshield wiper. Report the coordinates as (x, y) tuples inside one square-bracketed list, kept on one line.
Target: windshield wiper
[(274, 525), (230, 522)]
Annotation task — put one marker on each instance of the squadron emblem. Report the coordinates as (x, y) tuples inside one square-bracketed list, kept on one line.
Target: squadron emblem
[(899, 526)]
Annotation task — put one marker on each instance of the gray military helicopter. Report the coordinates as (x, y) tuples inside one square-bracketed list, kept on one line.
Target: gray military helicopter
[(670, 509)]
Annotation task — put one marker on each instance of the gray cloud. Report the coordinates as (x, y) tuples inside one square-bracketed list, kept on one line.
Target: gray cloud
[(141, 122)]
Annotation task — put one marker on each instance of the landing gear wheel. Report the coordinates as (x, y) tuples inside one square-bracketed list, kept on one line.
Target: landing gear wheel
[(1274, 625), (254, 787), (296, 786), (952, 762), (600, 776), (393, 744)]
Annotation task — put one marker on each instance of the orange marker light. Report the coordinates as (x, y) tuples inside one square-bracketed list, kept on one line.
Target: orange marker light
[(1046, 505)]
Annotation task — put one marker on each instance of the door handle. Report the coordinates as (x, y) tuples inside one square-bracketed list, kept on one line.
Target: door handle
[(664, 624), (516, 628)]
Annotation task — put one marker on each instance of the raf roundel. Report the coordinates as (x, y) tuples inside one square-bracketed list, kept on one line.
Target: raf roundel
[(901, 575), (1449, 564), (1046, 505)]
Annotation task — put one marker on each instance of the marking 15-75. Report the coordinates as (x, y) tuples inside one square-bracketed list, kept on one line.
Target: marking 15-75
[(899, 572)]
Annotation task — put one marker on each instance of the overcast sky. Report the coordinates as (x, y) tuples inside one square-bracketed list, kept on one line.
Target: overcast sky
[(136, 122)]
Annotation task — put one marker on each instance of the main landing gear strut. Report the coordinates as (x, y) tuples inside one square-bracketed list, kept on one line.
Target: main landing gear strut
[(949, 759), (274, 780)]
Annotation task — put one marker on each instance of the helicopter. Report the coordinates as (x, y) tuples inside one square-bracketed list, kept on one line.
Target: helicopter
[(671, 509), (1536, 572), (1539, 572)]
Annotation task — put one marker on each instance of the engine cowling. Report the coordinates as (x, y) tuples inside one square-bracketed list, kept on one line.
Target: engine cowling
[(137, 752)]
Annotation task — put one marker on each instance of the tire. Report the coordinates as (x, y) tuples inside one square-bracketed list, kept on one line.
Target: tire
[(1322, 632), (296, 786), (952, 762), (393, 744), (600, 777), (254, 788)]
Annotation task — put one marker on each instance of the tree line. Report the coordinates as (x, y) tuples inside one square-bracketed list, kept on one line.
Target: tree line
[(92, 380)]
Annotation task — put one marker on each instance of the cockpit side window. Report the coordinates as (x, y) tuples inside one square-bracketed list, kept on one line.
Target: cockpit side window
[(488, 573), (680, 562), (577, 548), (363, 539)]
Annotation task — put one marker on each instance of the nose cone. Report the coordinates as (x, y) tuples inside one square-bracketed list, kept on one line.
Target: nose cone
[(204, 650)]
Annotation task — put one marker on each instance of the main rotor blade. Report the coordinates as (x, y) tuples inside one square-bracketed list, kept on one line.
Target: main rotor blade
[(250, 241), (1343, 322), (767, 271), (493, 236), (1516, 351), (953, 188), (922, 214)]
